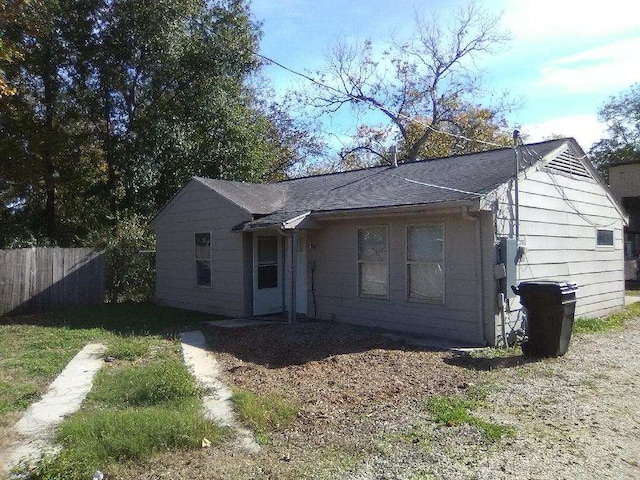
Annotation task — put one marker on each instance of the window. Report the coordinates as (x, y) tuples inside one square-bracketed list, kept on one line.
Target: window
[(373, 262), (425, 263), (203, 259), (604, 238), (267, 262)]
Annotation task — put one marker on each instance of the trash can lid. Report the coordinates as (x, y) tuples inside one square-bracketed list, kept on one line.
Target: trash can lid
[(550, 286)]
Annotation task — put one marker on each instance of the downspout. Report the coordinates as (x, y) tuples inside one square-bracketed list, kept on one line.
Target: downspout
[(480, 283)]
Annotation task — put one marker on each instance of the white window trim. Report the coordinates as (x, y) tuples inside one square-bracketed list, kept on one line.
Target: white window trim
[(605, 247), (407, 262), (196, 259), (358, 262)]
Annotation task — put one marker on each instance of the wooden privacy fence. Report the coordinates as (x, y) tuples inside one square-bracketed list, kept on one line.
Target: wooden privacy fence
[(39, 279)]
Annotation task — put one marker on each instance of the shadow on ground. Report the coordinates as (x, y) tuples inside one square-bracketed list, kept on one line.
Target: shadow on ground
[(121, 318), (282, 345), (485, 363)]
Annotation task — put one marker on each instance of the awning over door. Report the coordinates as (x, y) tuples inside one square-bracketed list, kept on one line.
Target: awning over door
[(278, 220)]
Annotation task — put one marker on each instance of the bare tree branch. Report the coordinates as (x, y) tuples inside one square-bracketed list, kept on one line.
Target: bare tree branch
[(432, 81)]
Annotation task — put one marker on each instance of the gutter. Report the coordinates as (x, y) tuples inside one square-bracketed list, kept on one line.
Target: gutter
[(413, 209)]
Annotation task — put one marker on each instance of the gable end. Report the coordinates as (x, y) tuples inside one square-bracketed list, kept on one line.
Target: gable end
[(569, 164)]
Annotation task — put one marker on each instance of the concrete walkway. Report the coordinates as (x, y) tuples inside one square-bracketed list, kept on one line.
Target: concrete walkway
[(37, 425), (217, 400)]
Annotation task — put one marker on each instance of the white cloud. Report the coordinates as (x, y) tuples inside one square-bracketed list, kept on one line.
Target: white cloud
[(610, 67), (584, 128), (552, 19)]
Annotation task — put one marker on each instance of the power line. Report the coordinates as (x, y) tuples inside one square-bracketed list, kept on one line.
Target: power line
[(563, 195), (374, 104)]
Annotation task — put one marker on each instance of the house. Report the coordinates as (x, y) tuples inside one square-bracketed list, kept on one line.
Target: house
[(430, 247), (624, 182)]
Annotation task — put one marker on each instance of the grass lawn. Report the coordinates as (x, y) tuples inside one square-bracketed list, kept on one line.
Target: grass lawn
[(604, 324), (147, 384)]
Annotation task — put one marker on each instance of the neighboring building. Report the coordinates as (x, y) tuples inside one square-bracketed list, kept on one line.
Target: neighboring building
[(624, 181), (429, 247)]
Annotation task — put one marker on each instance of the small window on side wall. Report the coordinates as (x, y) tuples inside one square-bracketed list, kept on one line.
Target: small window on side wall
[(203, 259), (604, 238)]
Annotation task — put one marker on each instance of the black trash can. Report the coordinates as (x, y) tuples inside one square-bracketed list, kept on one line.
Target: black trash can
[(550, 310)]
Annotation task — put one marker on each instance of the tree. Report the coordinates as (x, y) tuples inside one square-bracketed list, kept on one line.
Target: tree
[(12, 12), (422, 87), (31, 118), (119, 102), (622, 115)]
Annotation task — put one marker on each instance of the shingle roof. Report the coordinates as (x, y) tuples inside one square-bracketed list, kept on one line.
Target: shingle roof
[(442, 180), (256, 198)]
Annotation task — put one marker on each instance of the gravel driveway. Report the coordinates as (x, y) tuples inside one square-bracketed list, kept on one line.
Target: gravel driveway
[(578, 417), (362, 411)]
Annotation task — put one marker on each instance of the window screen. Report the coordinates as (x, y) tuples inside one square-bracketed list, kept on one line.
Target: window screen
[(373, 262), (425, 263)]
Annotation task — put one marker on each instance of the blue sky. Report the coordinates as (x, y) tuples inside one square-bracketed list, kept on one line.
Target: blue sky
[(565, 59)]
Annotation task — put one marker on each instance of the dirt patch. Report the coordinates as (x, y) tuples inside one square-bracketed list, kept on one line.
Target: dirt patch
[(362, 414)]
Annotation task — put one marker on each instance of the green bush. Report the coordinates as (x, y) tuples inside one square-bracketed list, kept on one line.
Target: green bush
[(130, 262)]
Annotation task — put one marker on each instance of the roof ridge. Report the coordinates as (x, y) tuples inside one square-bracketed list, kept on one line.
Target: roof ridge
[(424, 160)]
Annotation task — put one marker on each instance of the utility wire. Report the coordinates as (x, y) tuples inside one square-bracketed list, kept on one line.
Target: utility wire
[(370, 102), (563, 195)]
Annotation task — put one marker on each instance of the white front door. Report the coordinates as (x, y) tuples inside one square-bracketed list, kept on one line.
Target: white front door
[(267, 274)]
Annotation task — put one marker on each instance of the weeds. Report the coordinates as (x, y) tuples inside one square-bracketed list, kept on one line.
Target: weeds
[(127, 348), (453, 410), (419, 436), (159, 383), (615, 321), (264, 413)]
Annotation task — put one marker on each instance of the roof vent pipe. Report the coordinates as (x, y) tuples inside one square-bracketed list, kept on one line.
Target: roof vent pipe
[(394, 151)]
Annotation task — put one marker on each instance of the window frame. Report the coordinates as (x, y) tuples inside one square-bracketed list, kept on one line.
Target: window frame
[(196, 259), (606, 246), (407, 263), (386, 262)]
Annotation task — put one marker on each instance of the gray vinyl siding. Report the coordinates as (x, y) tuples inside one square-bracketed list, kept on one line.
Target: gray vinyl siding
[(335, 255), (561, 243), (198, 209)]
